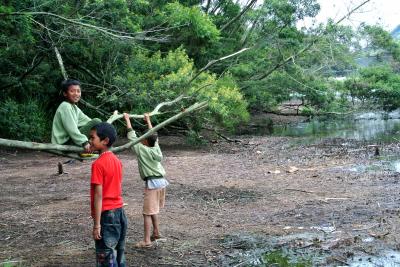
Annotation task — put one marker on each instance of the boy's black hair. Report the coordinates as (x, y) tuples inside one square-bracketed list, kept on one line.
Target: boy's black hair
[(67, 83), (103, 130), (152, 139)]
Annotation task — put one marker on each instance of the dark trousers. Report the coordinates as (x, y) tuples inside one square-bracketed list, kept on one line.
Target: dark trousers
[(110, 249)]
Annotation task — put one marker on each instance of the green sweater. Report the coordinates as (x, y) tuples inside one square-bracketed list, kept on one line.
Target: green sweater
[(149, 158), (67, 120)]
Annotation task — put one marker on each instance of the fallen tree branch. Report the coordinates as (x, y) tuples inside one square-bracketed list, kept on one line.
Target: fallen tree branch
[(222, 136), (194, 107), (155, 111), (58, 149), (299, 190), (60, 62), (106, 31)]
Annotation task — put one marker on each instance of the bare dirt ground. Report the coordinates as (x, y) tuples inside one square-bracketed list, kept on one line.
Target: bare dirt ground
[(226, 201)]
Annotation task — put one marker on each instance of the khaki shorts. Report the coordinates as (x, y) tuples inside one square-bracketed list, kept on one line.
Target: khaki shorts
[(154, 199)]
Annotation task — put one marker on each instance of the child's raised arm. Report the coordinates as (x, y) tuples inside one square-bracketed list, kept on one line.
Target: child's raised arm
[(147, 120), (128, 121)]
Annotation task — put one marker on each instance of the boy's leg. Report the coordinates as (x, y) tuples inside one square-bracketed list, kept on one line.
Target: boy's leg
[(106, 253), (121, 244), (85, 129), (155, 221), (147, 228), (160, 201), (105, 256)]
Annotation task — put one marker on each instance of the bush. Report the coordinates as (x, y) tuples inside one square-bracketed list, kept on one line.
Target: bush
[(24, 121)]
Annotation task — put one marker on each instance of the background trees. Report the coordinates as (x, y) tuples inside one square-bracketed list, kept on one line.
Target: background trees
[(131, 55)]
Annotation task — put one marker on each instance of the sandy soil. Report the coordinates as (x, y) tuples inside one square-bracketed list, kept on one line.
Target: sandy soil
[(263, 187)]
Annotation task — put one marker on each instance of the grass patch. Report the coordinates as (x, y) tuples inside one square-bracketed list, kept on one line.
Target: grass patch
[(279, 259)]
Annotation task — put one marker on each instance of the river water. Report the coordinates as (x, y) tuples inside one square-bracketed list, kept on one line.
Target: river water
[(369, 126)]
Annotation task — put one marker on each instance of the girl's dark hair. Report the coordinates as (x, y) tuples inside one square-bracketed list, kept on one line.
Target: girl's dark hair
[(104, 130), (67, 83)]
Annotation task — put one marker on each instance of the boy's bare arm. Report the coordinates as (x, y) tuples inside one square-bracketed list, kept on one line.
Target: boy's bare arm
[(147, 120), (128, 121), (98, 201)]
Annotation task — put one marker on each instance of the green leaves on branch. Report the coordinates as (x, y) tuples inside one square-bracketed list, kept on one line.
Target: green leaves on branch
[(380, 85), (199, 25)]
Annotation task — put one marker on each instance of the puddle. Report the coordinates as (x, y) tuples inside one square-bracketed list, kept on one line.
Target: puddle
[(396, 166), (385, 259), (307, 249), (383, 165)]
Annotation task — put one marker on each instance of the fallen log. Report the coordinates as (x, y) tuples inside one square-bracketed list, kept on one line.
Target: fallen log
[(62, 149)]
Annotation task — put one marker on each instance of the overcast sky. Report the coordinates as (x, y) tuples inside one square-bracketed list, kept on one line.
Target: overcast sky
[(383, 12)]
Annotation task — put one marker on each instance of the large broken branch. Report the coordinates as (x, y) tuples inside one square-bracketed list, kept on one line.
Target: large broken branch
[(109, 32), (192, 108), (117, 116), (67, 148), (39, 146), (60, 62)]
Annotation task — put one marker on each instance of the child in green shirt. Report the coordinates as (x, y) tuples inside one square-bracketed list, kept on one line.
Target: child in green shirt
[(70, 124), (152, 172)]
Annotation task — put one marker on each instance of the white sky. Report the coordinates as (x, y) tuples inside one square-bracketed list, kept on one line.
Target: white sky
[(383, 12)]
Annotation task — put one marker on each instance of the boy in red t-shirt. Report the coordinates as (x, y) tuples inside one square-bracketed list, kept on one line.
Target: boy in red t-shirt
[(110, 223)]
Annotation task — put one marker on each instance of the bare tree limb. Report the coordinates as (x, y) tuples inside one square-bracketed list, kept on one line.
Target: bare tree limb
[(212, 62), (106, 31), (60, 62), (155, 111), (245, 9), (311, 44)]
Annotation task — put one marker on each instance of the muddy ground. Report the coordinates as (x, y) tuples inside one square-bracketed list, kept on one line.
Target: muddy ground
[(330, 201)]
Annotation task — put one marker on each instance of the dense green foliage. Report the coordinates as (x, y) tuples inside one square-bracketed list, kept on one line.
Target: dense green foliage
[(377, 84), (132, 55)]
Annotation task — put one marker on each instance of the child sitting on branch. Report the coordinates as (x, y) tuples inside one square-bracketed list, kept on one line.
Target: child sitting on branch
[(70, 124)]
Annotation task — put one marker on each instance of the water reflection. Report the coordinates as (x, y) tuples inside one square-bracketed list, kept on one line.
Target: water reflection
[(362, 127)]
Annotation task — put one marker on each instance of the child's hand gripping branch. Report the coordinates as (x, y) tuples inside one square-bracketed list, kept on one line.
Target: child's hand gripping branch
[(147, 120), (128, 121)]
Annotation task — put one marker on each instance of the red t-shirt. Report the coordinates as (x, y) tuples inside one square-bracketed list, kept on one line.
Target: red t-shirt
[(107, 171)]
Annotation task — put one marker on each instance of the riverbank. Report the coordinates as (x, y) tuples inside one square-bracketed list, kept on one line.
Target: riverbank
[(331, 201)]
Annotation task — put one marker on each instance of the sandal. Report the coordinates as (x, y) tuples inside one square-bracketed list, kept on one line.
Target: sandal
[(157, 237), (142, 244)]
